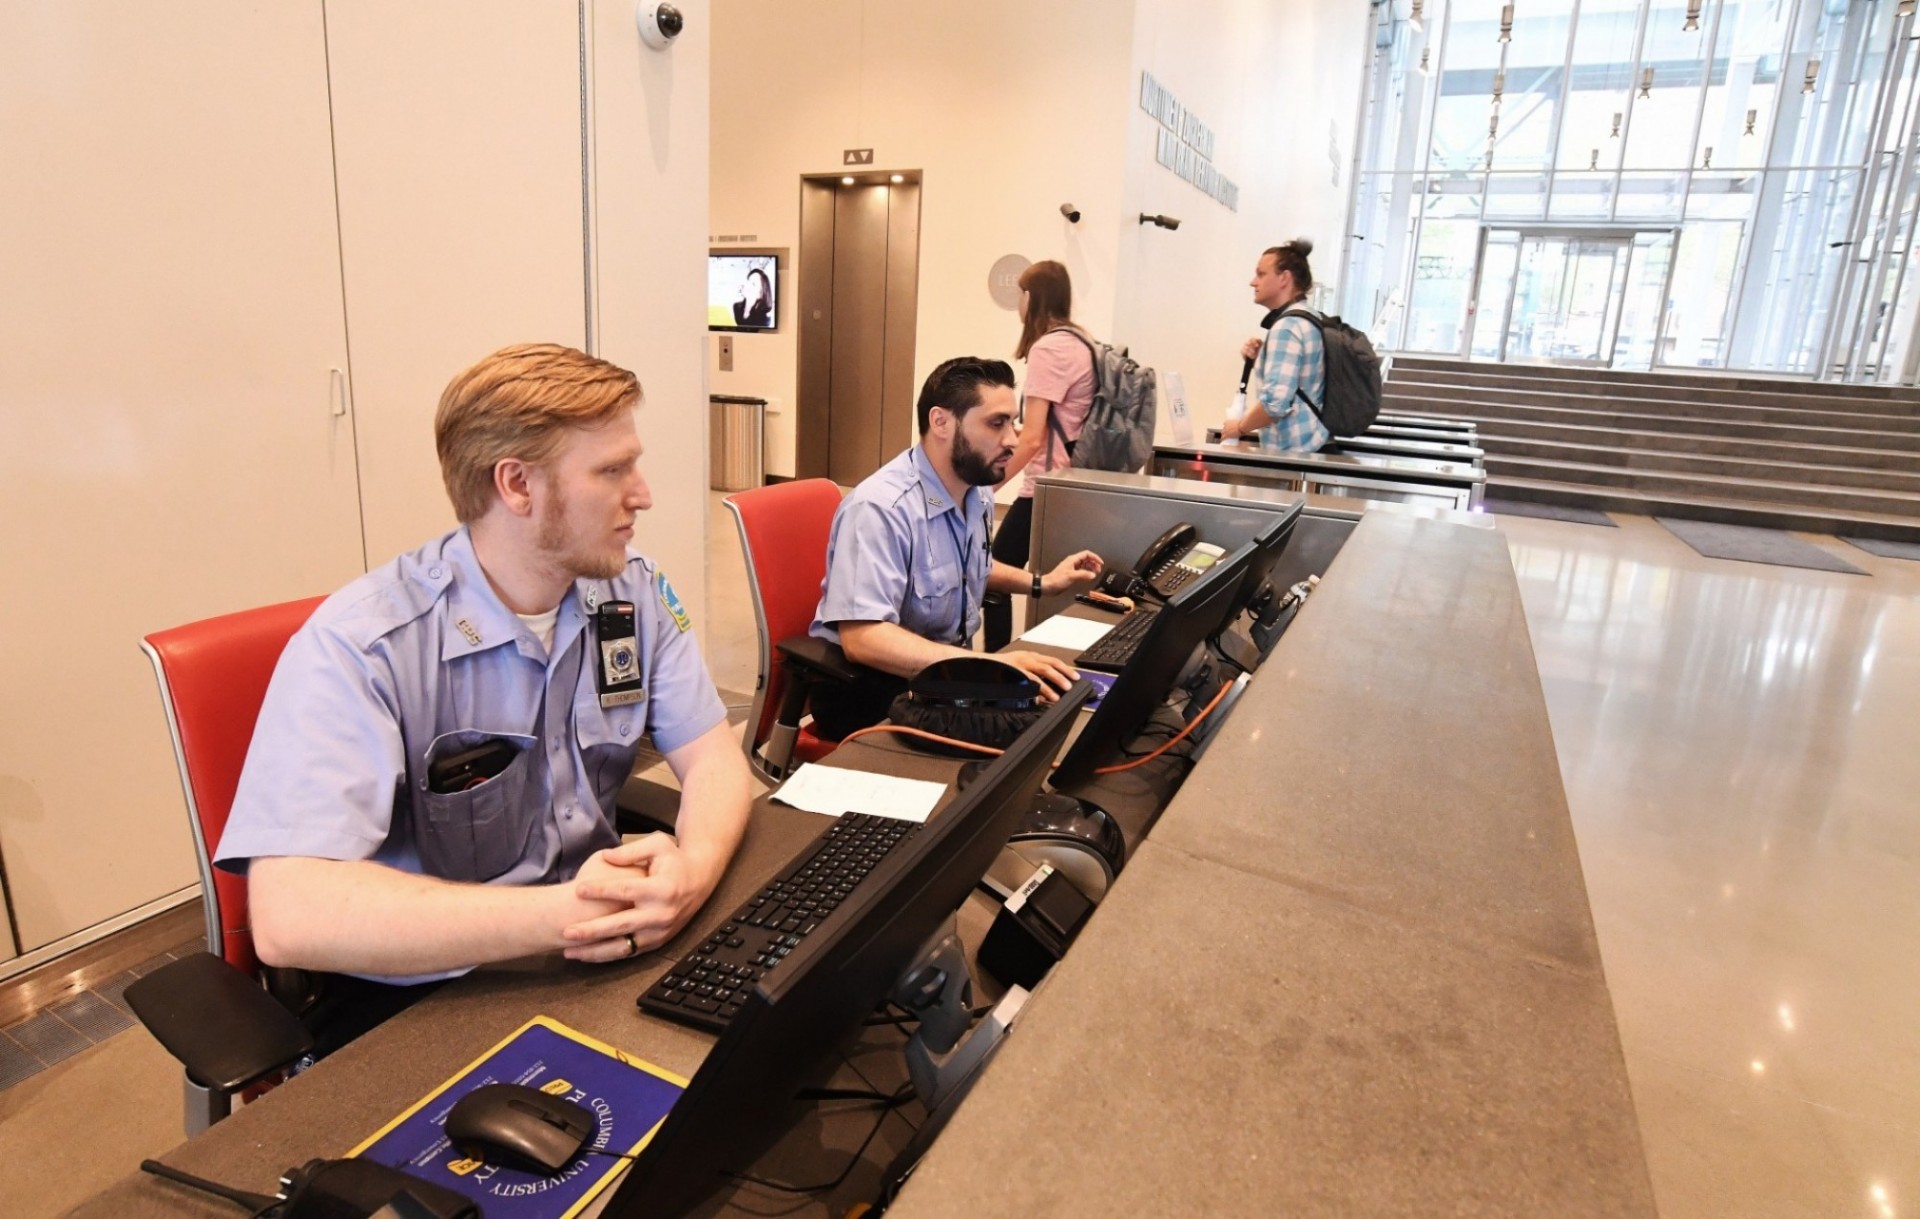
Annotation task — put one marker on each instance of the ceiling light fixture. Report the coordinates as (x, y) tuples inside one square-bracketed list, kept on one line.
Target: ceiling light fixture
[(1813, 74), (1615, 133), (1646, 83), (1414, 15), (847, 181), (1506, 23), (1751, 116), (1424, 52), (1693, 16), (1593, 162), (897, 179), (1499, 86), (1904, 8), (1706, 158)]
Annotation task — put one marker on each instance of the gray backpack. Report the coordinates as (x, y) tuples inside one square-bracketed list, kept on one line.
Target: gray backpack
[(1118, 432)]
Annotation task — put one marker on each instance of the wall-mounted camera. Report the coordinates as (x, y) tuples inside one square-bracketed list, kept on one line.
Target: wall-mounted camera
[(1071, 212), (1165, 222), (659, 24)]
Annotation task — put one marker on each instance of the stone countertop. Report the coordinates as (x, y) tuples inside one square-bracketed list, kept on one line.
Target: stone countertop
[(1353, 970)]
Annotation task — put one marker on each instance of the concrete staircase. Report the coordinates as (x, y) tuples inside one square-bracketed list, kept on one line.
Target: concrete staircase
[(1740, 449)]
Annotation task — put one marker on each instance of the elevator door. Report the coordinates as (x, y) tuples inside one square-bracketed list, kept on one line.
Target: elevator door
[(859, 279)]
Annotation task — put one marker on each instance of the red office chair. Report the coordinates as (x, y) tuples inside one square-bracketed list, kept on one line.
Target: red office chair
[(783, 531), (210, 1010)]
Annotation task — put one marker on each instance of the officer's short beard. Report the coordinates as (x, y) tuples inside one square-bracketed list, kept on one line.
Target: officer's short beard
[(972, 465), (567, 553)]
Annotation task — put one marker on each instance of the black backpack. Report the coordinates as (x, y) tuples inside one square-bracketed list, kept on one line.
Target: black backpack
[(1118, 431), (1352, 398)]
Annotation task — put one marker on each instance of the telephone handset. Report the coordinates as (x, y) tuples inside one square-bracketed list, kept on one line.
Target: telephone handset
[(1172, 561)]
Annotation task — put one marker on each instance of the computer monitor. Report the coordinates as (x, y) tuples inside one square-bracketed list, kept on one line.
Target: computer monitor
[(1268, 545), (820, 996), (1195, 614)]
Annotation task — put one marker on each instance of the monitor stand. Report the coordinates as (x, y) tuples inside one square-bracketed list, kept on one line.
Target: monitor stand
[(948, 1048)]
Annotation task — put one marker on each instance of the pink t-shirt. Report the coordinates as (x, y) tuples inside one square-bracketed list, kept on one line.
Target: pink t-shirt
[(1060, 370)]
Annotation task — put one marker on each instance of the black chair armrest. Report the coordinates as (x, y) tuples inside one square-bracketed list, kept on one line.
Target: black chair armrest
[(225, 1030), (819, 660), (645, 807)]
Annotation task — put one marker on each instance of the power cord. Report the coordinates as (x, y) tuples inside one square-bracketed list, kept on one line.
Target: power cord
[(887, 1105)]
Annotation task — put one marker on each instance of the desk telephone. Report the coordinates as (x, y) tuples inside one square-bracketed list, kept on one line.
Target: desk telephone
[(1174, 560)]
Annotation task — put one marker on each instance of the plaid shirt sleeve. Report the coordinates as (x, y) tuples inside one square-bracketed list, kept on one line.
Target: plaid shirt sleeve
[(1293, 358)]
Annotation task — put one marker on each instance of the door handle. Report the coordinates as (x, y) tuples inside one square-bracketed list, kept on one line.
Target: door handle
[(337, 391)]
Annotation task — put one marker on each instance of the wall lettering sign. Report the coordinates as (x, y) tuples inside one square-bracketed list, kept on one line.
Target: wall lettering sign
[(1185, 144)]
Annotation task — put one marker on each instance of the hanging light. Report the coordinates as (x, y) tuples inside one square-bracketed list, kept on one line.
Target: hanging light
[(1593, 162), (1499, 86), (1646, 82), (1751, 116), (1904, 8), (1493, 128), (1706, 158), (1813, 74), (1414, 15), (1615, 133), (1424, 52), (1693, 15), (1506, 23)]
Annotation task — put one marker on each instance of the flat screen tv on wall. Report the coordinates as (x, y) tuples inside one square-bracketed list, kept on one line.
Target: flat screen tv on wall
[(743, 291)]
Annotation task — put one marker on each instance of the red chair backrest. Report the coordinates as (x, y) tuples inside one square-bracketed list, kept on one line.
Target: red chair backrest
[(213, 677), (783, 530)]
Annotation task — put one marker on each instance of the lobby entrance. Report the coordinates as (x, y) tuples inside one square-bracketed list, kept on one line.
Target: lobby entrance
[(1589, 297)]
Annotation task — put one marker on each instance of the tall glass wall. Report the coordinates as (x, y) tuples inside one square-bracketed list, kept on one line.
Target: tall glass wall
[(1642, 183)]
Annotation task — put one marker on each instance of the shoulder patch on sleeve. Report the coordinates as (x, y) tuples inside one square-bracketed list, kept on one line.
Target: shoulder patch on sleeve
[(671, 601)]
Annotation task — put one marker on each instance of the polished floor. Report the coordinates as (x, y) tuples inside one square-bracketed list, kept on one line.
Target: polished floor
[(1741, 762)]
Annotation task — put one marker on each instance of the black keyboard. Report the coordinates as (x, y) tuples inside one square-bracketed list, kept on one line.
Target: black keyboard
[(1111, 652), (708, 987)]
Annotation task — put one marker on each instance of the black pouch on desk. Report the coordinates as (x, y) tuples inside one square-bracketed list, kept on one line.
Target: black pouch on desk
[(1033, 928), (356, 1189), (969, 698)]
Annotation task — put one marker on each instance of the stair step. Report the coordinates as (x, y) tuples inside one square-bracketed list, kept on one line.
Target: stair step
[(1489, 415), (1705, 380), (1814, 413), (1831, 401), (1703, 444), (1792, 466), (1708, 508), (1847, 499)]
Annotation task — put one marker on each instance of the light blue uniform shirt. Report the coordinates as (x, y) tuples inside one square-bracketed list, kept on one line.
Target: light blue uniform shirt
[(902, 551), (420, 659)]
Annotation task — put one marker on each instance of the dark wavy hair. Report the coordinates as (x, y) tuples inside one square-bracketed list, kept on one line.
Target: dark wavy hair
[(956, 385)]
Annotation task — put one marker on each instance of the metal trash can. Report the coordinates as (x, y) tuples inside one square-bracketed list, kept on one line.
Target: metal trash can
[(737, 442)]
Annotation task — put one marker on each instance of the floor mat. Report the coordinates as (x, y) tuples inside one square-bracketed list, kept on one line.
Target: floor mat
[(1886, 549), (1748, 544), (1551, 512)]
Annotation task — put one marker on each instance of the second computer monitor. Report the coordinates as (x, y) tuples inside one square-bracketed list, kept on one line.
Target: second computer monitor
[(1196, 613)]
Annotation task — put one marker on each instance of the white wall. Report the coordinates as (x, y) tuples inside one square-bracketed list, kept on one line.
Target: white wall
[(1012, 109), (650, 215), (1275, 83)]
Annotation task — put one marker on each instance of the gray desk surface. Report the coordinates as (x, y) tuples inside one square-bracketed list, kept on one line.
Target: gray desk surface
[(1353, 970)]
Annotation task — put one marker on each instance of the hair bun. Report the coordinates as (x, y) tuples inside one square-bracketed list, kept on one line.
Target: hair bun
[(1303, 244)]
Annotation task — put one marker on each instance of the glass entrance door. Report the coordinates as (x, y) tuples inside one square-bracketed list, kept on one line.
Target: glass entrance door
[(1565, 297)]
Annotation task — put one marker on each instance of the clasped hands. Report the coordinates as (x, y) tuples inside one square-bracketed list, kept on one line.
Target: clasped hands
[(633, 897)]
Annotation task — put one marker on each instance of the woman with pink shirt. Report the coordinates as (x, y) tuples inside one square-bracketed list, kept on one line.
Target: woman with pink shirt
[(1059, 392)]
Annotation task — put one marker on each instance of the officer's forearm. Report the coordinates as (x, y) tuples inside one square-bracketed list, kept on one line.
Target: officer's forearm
[(715, 792), (356, 916), (1006, 578), (892, 648)]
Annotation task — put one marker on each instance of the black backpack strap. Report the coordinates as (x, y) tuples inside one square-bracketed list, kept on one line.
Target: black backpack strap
[(1246, 369), (1298, 392)]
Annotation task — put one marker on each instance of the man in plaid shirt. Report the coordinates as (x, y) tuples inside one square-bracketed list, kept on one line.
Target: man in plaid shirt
[(1291, 361)]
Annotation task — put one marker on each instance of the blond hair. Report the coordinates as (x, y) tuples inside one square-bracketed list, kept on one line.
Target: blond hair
[(519, 403)]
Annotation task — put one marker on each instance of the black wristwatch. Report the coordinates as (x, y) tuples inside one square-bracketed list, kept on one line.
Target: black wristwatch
[(1036, 586)]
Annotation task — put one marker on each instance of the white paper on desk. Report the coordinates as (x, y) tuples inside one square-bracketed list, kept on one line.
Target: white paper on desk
[(1062, 631), (834, 790)]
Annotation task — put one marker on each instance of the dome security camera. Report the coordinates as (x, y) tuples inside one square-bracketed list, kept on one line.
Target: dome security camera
[(659, 24)]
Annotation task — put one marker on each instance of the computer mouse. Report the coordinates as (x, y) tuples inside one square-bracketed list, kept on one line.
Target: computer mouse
[(515, 1126), (1081, 840)]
